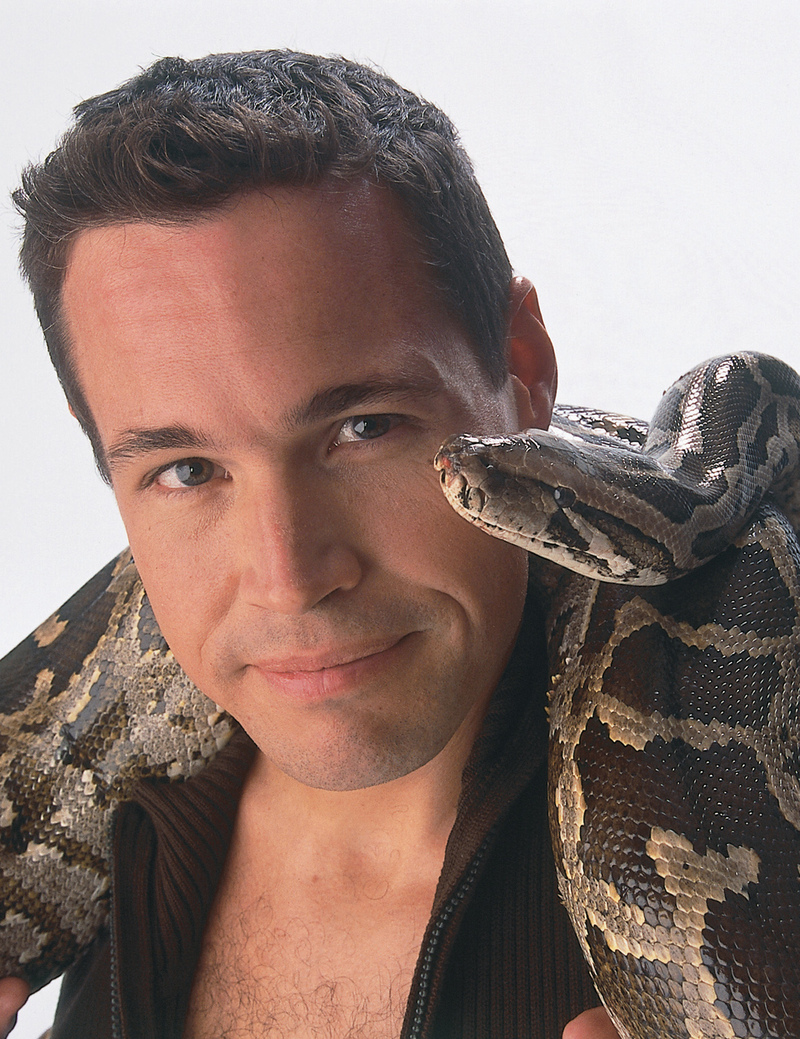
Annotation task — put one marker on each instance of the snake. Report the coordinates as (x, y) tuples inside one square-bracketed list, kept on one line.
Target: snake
[(674, 705), (667, 555)]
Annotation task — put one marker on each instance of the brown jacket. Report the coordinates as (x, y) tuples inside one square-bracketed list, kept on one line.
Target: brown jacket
[(498, 961)]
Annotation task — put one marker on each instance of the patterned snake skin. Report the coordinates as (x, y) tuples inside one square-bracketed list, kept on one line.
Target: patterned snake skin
[(675, 710), (92, 701)]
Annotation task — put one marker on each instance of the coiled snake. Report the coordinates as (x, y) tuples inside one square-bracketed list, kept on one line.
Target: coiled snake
[(675, 711)]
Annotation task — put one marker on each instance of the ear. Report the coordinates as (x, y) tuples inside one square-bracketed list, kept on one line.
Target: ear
[(531, 357)]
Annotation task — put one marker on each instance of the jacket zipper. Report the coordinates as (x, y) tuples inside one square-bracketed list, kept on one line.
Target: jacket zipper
[(427, 961), (116, 1003)]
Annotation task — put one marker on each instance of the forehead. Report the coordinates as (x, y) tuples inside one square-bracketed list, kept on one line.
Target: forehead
[(305, 281), (353, 229)]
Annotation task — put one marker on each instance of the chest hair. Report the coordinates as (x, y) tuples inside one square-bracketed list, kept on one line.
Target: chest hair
[(332, 971)]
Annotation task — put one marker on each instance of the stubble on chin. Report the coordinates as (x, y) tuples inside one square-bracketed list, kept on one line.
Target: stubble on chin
[(351, 747)]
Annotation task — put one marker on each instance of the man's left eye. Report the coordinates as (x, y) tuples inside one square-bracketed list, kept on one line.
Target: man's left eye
[(365, 427)]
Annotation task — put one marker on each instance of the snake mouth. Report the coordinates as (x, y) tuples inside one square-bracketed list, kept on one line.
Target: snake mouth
[(472, 499)]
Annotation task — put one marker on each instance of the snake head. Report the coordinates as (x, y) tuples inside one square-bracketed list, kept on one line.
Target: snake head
[(484, 479), (542, 491), (468, 477)]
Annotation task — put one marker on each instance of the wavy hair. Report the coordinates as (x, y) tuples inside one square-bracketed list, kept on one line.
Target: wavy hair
[(184, 136)]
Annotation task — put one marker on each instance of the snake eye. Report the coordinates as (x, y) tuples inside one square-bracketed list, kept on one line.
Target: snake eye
[(564, 497)]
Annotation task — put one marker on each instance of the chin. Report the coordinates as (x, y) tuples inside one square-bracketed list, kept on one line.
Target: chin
[(348, 763)]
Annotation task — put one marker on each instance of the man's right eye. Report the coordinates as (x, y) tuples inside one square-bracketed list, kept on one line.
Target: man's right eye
[(188, 472)]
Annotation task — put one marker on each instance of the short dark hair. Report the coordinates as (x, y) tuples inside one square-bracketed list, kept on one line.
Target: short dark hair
[(184, 136)]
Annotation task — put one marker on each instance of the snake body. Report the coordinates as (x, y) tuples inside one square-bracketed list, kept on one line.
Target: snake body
[(91, 702), (674, 709)]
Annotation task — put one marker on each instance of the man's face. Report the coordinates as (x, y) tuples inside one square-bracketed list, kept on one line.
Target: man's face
[(270, 385)]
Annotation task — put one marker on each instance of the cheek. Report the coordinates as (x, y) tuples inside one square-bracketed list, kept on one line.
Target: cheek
[(492, 572), (188, 587), (438, 548)]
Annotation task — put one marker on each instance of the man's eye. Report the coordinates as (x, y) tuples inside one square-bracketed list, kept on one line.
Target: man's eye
[(189, 472), (365, 427)]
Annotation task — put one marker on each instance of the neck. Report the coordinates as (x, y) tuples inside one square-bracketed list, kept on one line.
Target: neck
[(385, 825)]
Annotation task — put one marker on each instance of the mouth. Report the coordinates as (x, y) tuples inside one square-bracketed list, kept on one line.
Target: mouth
[(335, 673), (324, 660)]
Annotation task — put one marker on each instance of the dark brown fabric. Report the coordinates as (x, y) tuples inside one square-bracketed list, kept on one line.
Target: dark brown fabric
[(507, 964), (179, 838), (84, 1003), (502, 962), (515, 969), (169, 848)]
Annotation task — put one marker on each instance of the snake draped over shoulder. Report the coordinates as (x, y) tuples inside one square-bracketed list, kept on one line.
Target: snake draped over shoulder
[(669, 559), (91, 702), (674, 642)]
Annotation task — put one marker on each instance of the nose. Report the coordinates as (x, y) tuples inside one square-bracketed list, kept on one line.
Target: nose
[(296, 546)]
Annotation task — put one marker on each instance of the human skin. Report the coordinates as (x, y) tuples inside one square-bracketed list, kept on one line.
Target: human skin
[(316, 583), (270, 385), (591, 1024), (13, 994)]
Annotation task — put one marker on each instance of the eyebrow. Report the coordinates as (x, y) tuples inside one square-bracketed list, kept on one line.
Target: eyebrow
[(338, 399), (323, 404), (135, 442)]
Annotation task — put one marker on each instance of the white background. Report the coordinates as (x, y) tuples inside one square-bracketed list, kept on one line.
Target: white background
[(641, 159)]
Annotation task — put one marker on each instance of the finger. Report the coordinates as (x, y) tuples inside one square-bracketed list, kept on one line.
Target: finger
[(13, 994), (591, 1024)]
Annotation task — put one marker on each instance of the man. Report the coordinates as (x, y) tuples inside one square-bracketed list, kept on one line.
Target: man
[(271, 288)]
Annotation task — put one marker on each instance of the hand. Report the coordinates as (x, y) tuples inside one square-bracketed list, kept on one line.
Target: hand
[(13, 994), (591, 1024)]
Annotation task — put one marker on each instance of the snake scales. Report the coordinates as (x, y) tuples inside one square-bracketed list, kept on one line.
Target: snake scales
[(675, 710), (685, 897)]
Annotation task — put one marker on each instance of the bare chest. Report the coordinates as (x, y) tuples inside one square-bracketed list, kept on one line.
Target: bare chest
[(303, 964)]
